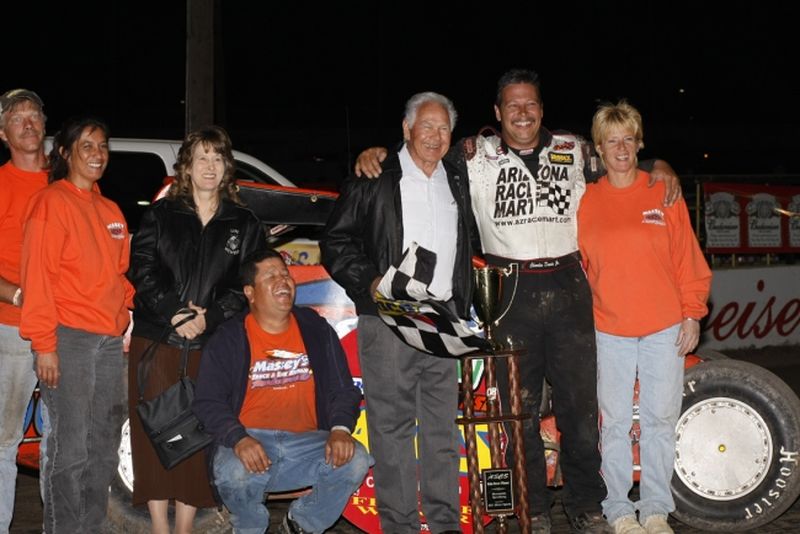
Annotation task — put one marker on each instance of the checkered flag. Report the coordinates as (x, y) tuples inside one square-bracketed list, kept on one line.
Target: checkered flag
[(555, 197), (411, 312)]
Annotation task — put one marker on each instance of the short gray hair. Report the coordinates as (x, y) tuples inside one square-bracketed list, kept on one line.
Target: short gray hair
[(414, 103)]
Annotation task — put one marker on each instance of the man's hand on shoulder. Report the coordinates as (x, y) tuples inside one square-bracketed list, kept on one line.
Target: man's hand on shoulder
[(470, 147), (340, 448), (369, 161), (662, 171), (252, 455)]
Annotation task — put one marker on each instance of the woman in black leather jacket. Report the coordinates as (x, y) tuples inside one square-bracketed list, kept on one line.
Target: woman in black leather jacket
[(185, 259)]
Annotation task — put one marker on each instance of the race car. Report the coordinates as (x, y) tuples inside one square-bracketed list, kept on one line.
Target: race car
[(738, 437)]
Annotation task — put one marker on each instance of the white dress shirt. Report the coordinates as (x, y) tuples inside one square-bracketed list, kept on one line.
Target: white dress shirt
[(430, 218)]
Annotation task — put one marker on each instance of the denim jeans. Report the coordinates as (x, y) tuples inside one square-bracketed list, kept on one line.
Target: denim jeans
[(298, 461), (86, 411), (660, 372), (17, 380)]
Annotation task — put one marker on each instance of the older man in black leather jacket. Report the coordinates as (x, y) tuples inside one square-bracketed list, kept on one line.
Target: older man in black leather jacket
[(418, 199)]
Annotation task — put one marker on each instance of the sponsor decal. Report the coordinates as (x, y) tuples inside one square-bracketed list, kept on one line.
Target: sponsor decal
[(560, 158), (554, 197), (513, 193), (116, 229), (566, 145), (654, 216)]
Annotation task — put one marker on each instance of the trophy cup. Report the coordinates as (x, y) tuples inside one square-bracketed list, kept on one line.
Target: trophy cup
[(497, 483), (488, 296)]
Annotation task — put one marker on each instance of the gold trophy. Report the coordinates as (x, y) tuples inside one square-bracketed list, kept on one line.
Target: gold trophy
[(492, 490)]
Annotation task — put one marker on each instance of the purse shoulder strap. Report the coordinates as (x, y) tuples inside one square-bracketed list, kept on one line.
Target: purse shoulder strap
[(146, 360)]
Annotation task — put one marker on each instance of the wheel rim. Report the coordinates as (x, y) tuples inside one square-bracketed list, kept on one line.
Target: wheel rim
[(125, 467), (723, 449)]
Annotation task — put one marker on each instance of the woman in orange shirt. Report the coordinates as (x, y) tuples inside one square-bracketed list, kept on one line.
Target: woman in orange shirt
[(650, 283), (74, 258)]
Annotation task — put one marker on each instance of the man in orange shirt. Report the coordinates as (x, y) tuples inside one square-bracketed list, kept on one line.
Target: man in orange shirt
[(275, 391), (22, 124)]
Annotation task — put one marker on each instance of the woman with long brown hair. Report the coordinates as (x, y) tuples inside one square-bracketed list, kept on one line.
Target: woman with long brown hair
[(185, 261)]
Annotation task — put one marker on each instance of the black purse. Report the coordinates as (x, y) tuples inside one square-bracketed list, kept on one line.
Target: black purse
[(168, 420)]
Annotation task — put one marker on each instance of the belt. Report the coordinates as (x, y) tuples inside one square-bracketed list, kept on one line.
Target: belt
[(540, 265)]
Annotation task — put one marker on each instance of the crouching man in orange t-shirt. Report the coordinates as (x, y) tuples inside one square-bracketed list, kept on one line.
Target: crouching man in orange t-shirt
[(275, 391)]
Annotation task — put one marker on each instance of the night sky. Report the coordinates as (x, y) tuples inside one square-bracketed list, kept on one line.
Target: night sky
[(306, 88)]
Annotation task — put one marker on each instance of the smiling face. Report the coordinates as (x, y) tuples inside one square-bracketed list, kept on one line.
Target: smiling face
[(207, 169), (272, 293), (520, 114), (428, 139), (23, 128), (87, 158), (618, 150)]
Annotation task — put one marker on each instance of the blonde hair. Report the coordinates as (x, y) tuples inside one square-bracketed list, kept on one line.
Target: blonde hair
[(620, 115)]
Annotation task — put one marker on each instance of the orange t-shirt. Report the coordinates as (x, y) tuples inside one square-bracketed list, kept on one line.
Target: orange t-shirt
[(280, 386), (16, 189)]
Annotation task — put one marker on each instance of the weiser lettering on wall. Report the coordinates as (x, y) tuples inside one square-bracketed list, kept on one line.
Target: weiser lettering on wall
[(753, 307)]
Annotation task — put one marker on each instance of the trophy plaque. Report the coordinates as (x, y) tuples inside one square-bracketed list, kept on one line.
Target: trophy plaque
[(492, 491)]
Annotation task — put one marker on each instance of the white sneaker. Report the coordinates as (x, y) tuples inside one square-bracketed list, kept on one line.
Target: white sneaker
[(657, 524), (627, 524)]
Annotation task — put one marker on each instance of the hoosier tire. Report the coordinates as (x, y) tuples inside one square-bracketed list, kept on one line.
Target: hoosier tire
[(737, 446)]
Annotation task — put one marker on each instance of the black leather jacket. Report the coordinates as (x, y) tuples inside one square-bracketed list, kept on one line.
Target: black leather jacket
[(364, 235), (174, 260)]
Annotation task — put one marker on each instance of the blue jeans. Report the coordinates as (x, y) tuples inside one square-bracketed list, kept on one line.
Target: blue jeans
[(660, 371), (86, 411), (17, 380), (298, 461)]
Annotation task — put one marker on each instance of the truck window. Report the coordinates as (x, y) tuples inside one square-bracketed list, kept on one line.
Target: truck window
[(245, 171)]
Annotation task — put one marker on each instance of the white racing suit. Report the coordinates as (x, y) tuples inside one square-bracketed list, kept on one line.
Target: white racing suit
[(525, 208)]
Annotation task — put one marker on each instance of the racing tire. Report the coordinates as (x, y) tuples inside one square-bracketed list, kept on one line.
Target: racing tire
[(710, 355), (124, 517), (737, 445)]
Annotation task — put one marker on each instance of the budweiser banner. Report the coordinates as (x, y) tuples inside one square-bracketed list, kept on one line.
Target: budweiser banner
[(744, 218), (753, 307)]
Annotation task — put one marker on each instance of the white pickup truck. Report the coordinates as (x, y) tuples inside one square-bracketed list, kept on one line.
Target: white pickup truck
[(137, 168)]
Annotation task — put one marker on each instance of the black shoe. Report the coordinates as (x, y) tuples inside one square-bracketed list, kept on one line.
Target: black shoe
[(540, 524), (588, 523), (289, 526)]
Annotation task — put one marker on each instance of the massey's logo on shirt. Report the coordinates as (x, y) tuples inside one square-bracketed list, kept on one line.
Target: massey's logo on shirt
[(280, 368), (654, 216), (116, 229), (515, 190)]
